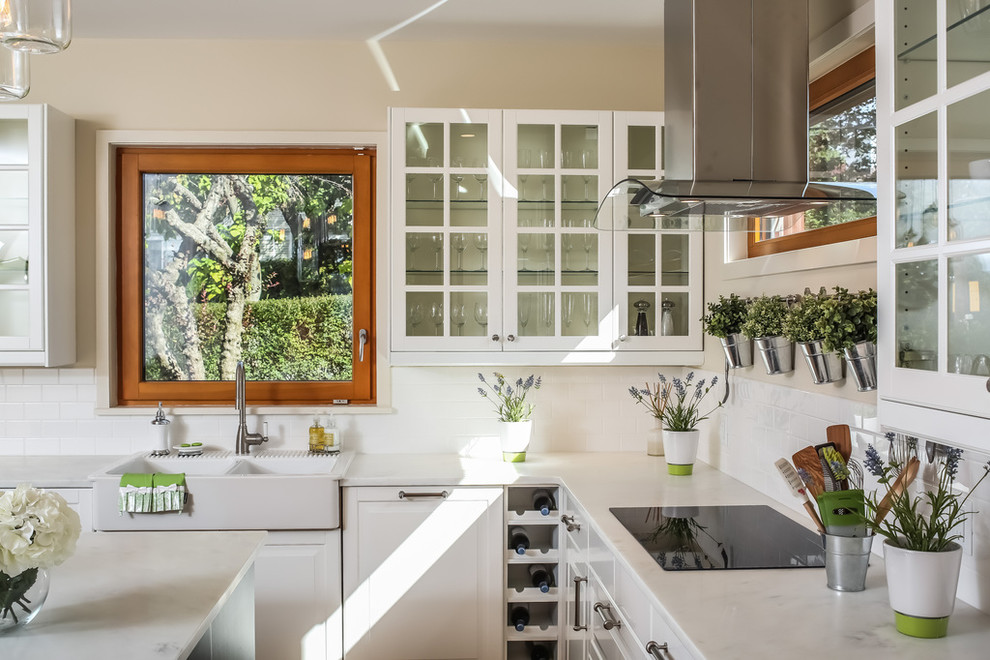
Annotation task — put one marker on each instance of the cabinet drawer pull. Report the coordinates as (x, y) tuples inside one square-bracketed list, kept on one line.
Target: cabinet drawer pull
[(571, 525), (442, 495), (577, 602), (658, 651), (608, 621)]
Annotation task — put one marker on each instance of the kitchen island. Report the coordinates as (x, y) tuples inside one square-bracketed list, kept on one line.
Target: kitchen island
[(136, 595), (715, 614)]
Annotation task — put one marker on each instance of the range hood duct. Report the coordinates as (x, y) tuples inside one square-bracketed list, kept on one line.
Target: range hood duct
[(736, 116)]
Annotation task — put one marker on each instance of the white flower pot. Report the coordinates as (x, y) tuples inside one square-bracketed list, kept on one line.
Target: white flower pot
[(680, 449), (654, 441), (515, 438), (922, 588)]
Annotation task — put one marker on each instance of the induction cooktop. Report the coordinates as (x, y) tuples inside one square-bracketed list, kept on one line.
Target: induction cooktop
[(722, 537)]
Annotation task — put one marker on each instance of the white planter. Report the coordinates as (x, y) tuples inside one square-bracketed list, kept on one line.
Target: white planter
[(922, 588), (515, 438), (654, 441), (681, 450)]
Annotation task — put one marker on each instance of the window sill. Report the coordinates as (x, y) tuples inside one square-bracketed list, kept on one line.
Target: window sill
[(131, 411), (847, 253)]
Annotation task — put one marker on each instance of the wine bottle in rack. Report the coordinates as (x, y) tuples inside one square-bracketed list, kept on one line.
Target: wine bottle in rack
[(518, 540), (519, 617), (538, 652), (543, 501), (541, 577)]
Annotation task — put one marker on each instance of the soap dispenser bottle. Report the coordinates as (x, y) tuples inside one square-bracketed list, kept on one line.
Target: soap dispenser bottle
[(333, 435), (159, 431), (317, 437)]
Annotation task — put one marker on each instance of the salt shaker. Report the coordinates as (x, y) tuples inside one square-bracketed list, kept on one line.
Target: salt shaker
[(159, 429)]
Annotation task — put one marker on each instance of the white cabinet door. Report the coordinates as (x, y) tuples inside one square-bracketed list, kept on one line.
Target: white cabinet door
[(298, 596), (37, 230), (422, 571)]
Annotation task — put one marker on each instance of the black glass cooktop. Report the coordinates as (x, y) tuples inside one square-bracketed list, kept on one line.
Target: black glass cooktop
[(684, 538)]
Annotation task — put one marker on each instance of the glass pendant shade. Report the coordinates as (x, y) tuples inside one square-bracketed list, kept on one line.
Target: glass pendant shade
[(15, 81), (35, 26)]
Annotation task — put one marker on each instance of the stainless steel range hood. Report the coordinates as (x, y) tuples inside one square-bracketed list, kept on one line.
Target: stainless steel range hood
[(736, 119)]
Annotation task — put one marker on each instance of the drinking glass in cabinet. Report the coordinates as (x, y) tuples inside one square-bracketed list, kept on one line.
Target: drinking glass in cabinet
[(462, 313), (916, 314), (536, 314), (536, 146), (481, 316), (580, 147), (589, 243), (424, 140), (455, 186), (579, 311), (917, 182), (420, 306), (458, 243), (969, 167), (436, 317), (481, 242), (469, 145), (424, 208), (482, 180), (457, 319), (969, 314)]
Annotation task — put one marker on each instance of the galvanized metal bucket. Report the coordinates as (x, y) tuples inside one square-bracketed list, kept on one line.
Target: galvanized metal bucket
[(738, 349), (862, 361), (846, 561), (777, 354), (825, 366)]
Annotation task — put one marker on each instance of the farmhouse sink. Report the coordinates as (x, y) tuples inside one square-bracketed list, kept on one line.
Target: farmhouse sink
[(270, 490)]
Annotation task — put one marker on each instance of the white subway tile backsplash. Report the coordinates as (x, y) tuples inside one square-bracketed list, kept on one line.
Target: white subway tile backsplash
[(58, 393), (11, 376), (40, 376), (23, 393)]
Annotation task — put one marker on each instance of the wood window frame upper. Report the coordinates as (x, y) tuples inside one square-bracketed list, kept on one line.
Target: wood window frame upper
[(856, 71), (133, 162)]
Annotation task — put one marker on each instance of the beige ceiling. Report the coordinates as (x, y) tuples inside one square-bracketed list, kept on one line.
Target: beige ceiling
[(452, 20)]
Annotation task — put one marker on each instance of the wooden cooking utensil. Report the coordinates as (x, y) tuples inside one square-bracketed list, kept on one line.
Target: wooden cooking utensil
[(807, 460), (898, 488), (839, 435)]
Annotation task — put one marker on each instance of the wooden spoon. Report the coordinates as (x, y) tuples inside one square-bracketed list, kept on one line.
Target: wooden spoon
[(840, 437), (807, 460), (898, 488)]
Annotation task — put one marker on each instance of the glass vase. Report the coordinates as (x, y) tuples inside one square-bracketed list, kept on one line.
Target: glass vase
[(36, 26), (22, 597)]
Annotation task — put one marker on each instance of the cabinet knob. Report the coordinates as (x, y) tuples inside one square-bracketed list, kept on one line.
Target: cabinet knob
[(495, 337), (510, 338), (623, 337)]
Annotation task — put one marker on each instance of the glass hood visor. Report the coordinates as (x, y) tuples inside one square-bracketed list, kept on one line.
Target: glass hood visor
[(723, 205)]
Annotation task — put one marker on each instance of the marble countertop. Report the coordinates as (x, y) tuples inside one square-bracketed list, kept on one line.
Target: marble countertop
[(136, 595), (721, 614), (52, 471)]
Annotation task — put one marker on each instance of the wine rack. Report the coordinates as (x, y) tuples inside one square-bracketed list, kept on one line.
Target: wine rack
[(532, 544)]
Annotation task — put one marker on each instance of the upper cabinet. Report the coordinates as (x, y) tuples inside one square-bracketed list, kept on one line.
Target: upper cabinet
[(37, 237), (933, 103), (495, 253)]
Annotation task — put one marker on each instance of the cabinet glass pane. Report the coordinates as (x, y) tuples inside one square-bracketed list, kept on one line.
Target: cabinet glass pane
[(579, 147), (424, 258), (579, 313), (424, 144), (969, 314), (468, 145), (916, 314), (642, 259), (674, 315), (574, 260), (467, 260), (969, 166), (916, 182), (13, 142), (14, 314), (424, 314), (967, 52), (642, 141), (915, 43), (14, 198), (535, 145), (14, 256), (535, 256), (674, 260), (536, 314), (641, 318), (424, 200), (580, 191), (469, 313)]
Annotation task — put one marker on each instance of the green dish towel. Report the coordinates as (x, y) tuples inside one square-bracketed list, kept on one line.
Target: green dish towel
[(135, 493), (170, 491)]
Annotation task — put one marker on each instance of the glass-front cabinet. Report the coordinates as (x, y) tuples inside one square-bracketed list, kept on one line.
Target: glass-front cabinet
[(934, 147), (495, 247), (37, 246)]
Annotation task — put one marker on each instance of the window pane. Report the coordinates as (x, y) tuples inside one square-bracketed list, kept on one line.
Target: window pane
[(250, 267)]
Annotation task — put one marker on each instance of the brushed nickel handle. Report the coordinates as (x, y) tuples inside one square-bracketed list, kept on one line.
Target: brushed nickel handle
[(571, 525), (577, 603), (658, 651), (442, 495), (608, 621)]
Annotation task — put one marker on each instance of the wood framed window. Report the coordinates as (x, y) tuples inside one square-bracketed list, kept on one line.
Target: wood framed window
[(257, 254), (842, 148)]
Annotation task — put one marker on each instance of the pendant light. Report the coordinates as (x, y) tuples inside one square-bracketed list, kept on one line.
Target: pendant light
[(14, 79), (35, 26)]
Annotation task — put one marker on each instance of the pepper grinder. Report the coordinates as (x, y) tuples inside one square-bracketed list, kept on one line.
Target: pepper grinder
[(642, 325), (159, 426)]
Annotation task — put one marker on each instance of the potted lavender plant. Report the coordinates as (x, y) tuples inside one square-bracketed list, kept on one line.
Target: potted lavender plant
[(516, 428)]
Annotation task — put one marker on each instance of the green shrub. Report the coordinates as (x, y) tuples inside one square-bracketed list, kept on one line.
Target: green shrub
[(724, 317), (765, 317), (849, 318)]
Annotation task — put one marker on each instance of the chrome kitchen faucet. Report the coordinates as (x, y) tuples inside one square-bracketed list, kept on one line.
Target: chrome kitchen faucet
[(244, 438)]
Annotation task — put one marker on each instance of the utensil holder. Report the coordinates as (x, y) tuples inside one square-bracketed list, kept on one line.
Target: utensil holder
[(846, 561), (842, 512)]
